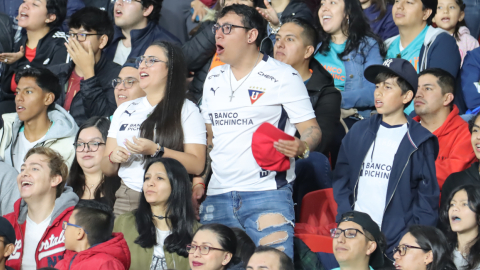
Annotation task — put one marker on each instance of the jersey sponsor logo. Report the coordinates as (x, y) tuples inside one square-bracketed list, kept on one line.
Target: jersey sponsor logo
[(213, 76), (255, 95), (129, 113), (46, 61), (214, 90), (264, 173), (130, 127), (16, 252), (228, 119), (270, 77)]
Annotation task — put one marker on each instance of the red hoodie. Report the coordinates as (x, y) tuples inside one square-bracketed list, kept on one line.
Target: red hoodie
[(456, 151), (110, 255), (51, 247)]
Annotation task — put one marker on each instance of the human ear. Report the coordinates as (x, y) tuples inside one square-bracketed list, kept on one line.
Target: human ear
[(227, 258), (428, 257), (426, 13), (8, 250), (49, 99), (372, 246), (147, 11), (309, 51), (408, 97), (103, 42), (56, 180), (252, 35)]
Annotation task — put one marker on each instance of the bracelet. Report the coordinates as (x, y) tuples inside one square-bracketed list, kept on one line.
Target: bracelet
[(275, 30), (204, 187), (109, 157)]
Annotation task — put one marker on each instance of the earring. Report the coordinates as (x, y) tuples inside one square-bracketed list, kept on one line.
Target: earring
[(47, 21)]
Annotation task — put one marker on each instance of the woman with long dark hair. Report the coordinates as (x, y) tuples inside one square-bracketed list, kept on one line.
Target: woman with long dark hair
[(460, 217), (86, 177), (163, 123), (158, 232), (423, 248), (347, 48)]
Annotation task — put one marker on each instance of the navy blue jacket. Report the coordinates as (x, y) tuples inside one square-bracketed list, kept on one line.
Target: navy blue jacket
[(471, 74), (141, 40), (412, 193)]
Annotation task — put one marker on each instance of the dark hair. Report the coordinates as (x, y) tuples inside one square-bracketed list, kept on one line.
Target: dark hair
[(157, 7), (430, 4), (379, 5), (250, 19), (76, 179), (225, 237), (444, 79), (471, 122), (245, 245), (456, 33), (285, 263), (356, 28), (402, 83), (45, 79), (309, 34), (93, 19), (473, 194), (179, 211), (59, 8), (96, 219), (164, 125)]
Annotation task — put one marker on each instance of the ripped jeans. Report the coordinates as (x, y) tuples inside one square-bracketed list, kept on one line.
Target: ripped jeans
[(266, 216)]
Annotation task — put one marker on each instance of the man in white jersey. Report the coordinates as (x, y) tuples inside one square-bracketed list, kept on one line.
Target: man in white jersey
[(241, 193)]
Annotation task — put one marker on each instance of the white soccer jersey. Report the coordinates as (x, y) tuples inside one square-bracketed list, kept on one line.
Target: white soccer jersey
[(274, 93)]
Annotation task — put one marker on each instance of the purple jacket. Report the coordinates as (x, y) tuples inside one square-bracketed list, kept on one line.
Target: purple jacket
[(385, 27)]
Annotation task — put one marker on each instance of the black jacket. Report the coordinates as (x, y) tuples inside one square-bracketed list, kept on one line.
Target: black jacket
[(469, 176), (96, 97), (50, 51), (199, 51), (326, 100), (6, 38)]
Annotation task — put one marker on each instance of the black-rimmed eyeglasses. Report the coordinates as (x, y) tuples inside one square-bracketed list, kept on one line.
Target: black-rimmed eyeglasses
[(81, 37), (92, 146), (226, 28), (402, 249), (348, 233), (204, 250)]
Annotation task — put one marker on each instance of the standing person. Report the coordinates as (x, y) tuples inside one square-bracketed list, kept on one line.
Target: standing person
[(44, 205), (136, 27), (379, 13), (87, 80), (249, 90), (163, 123)]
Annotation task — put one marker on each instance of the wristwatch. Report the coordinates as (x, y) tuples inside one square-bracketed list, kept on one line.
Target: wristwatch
[(160, 151), (306, 153)]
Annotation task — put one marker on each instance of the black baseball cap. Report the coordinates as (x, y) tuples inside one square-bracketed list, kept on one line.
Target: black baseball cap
[(6, 230), (398, 66), (367, 223)]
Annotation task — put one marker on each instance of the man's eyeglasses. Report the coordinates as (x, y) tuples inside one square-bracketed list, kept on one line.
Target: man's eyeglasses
[(92, 146), (226, 28), (127, 83), (149, 60), (81, 36), (66, 224), (127, 1), (203, 249), (349, 233), (402, 249)]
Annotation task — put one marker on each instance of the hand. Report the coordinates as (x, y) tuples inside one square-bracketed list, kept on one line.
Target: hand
[(82, 58), (12, 57), (347, 112), (290, 149), (199, 9), (269, 14), (141, 146), (198, 193), (119, 155)]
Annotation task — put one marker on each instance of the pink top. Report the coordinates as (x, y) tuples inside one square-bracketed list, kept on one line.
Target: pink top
[(466, 42)]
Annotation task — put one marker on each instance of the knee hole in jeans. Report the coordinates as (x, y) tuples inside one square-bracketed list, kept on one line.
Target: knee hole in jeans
[(274, 238), (272, 220)]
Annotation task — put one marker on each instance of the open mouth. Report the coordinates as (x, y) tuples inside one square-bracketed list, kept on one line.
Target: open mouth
[(122, 97), (220, 49), (455, 219), (446, 20), (378, 104), (143, 75), (118, 13), (26, 183), (326, 18), (23, 15), (20, 109)]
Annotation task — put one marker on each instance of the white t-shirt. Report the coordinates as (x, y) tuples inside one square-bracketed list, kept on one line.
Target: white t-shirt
[(122, 53), (158, 260), (126, 123), (376, 169), (22, 148), (33, 235), (274, 93)]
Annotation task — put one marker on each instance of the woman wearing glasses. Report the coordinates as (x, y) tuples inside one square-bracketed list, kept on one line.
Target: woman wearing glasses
[(423, 248), (460, 217), (158, 232), (163, 123), (86, 177), (213, 248)]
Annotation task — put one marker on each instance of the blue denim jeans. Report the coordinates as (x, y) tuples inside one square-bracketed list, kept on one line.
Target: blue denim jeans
[(266, 216)]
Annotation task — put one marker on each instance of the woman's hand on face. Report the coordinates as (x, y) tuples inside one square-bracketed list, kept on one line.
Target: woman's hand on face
[(141, 146), (119, 155), (269, 14)]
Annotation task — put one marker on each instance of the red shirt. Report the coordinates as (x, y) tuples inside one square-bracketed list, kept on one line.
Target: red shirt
[(30, 55), (73, 88)]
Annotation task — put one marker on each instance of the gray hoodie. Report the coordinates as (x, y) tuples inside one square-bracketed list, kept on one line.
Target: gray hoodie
[(9, 193)]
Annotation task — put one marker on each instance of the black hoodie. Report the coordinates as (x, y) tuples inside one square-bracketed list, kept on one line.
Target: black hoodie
[(469, 176)]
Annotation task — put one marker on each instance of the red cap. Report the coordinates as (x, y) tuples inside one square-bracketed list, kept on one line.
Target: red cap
[(263, 151)]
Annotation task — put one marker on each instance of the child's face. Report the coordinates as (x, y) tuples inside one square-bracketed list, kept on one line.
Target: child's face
[(71, 233), (448, 15), (389, 98), (462, 218)]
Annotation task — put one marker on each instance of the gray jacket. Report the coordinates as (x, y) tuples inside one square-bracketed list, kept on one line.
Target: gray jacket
[(9, 193)]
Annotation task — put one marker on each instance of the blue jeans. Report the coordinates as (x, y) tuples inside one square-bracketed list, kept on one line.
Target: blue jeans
[(266, 216)]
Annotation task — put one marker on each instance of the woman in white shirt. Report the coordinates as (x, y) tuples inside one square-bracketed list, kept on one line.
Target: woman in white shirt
[(161, 124)]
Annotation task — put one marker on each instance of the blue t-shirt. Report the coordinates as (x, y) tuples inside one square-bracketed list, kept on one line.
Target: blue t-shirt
[(333, 64)]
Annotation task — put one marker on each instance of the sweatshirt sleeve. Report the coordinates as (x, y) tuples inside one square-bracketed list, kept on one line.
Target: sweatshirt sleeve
[(342, 192), (327, 112), (445, 54), (9, 193), (469, 75), (200, 48), (60, 54)]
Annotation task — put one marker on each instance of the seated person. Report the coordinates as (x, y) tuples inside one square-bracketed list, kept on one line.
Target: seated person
[(470, 77), (127, 85), (87, 80), (86, 177), (423, 248), (436, 112), (396, 151), (9, 192), (7, 240), (358, 242), (136, 27), (460, 217), (157, 233), (245, 247), (89, 241), (266, 257), (38, 120), (379, 14), (419, 42), (213, 247), (471, 175), (38, 217)]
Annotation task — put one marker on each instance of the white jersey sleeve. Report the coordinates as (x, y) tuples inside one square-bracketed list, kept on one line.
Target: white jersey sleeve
[(115, 123), (194, 130)]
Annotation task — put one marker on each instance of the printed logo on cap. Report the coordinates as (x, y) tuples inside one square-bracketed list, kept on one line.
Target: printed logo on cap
[(387, 62)]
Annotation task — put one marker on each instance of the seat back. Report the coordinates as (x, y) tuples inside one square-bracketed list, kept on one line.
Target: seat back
[(318, 208)]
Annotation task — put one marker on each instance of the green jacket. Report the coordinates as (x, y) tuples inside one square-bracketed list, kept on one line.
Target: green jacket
[(142, 257)]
